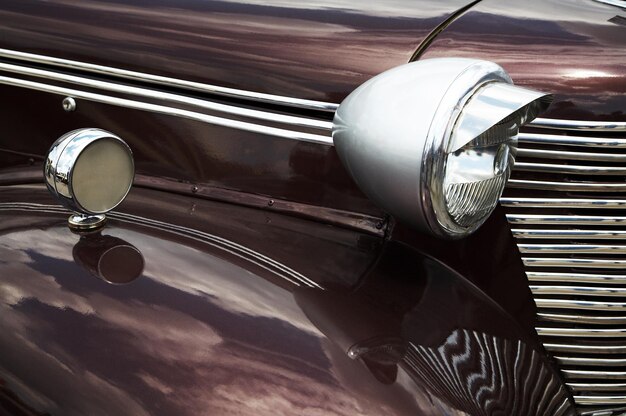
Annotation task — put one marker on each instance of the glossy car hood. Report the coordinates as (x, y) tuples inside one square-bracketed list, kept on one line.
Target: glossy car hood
[(307, 49), (574, 50), (240, 311)]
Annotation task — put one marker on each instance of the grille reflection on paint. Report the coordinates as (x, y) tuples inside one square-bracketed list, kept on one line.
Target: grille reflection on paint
[(566, 204)]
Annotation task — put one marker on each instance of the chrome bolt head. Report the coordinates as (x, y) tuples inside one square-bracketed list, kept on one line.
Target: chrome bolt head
[(69, 104)]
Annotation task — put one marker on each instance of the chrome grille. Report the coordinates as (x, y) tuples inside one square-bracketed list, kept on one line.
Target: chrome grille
[(566, 204)]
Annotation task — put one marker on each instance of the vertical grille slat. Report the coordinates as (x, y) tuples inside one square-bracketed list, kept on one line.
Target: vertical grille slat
[(566, 205)]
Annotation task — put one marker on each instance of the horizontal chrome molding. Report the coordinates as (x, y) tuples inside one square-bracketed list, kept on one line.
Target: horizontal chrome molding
[(600, 400), (576, 277), (577, 290), (579, 141), (591, 361), (173, 98), (167, 81), (587, 374), (569, 169), (574, 262), (582, 332), (566, 219), (572, 248), (577, 318), (586, 348), (578, 387), (569, 155), (591, 305), (562, 203), (138, 105), (604, 126), (568, 186), (616, 3), (529, 233)]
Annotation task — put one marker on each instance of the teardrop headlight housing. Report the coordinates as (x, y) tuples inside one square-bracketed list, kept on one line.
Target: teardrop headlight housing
[(433, 142)]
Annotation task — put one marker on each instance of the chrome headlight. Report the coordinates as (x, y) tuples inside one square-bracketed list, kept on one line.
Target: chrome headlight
[(433, 142)]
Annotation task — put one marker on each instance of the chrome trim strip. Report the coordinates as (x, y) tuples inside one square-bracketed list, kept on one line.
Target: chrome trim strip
[(577, 290), (600, 400), (572, 248), (568, 186), (137, 105), (613, 375), (565, 219), (597, 386), (582, 332), (586, 319), (576, 277), (170, 82), (589, 305), (569, 169), (582, 141), (617, 3), (525, 233), (568, 155), (573, 262), (591, 361), (562, 203), (587, 348), (606, 126), (174, 98)]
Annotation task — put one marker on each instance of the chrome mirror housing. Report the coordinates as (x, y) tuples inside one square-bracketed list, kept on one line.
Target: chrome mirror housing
[(433, 142), (89, 171)]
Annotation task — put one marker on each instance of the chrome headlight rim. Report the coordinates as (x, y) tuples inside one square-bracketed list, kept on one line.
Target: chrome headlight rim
[(435, 209)]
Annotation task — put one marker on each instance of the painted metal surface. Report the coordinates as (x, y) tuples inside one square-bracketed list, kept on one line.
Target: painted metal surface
[(305, 49), (226, 318), (574, 50)]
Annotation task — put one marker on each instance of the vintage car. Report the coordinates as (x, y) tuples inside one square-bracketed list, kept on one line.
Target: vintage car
[(275, 207)]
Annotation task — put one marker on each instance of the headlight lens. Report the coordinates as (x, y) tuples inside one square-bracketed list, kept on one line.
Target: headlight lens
[(473, 175)]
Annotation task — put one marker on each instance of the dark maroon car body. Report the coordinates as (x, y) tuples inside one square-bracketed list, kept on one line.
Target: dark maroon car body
[(263, 262)]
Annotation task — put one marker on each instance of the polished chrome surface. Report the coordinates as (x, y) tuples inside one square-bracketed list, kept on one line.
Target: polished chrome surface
[(574, 262), (590, 305), (580, 125), (568, 186), (572, 248), (581, 332), (81, 223), (90, 171), (597, 386), (168, 97), (579, 141), (586, 348), (571, 169), (590, 361), (462, 142), (618, 279), (167, 81), (69, 104), (549, 219), (587, 374), (578, 290), (167, 110), (617, 3), (569, 234), (562, 202), (570, 155), (580, 318), (566, 205)]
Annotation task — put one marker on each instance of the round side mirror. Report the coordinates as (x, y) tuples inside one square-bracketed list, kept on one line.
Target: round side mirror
[(89, 171)]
